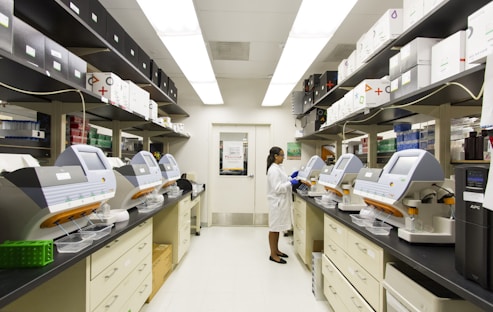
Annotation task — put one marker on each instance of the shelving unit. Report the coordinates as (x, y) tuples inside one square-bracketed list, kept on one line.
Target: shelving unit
[(79, 38), (450, 102)]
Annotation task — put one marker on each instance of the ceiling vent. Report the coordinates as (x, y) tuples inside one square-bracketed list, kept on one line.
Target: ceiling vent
[(230, 51)]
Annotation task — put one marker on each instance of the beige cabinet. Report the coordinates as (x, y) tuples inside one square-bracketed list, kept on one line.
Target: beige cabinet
[(359, 262), (118, 277), (307, 228), (172, 226)]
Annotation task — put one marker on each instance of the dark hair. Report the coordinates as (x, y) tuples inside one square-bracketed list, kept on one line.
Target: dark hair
[(275, 150)]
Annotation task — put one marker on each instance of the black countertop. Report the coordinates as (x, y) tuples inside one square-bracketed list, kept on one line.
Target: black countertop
[(16, 282), (435, 261)]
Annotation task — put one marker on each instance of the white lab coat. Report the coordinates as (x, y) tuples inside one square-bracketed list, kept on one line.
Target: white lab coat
[(279, 199)]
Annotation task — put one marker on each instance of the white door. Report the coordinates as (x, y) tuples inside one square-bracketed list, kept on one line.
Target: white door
[(237, 186)]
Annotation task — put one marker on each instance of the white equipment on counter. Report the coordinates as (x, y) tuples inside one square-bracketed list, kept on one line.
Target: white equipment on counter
[(413, 195), (339, 181), (311, 170), (35, 200), (169, 170), (136, 181)]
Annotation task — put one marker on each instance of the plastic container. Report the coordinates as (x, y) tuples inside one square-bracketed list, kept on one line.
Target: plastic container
[(361, 220), (22, 254), (379, 228), (74, 242), (99, 230)]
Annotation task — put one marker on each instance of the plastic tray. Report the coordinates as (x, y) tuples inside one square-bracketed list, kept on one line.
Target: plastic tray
[(99, 230), (379, 228), (21, 254), (74, 242), (360, 221)]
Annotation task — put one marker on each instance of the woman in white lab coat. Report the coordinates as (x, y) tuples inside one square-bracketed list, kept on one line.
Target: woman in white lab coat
[(279, 198)]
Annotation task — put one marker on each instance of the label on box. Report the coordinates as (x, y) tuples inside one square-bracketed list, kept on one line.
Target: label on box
[(4, 20)]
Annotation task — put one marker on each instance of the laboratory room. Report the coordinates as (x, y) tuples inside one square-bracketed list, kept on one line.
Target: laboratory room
[(234, 156)]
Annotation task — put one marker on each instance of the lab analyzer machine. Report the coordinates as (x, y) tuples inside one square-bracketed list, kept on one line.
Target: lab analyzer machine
[(410, 192), (169, 170), (138, 183), (38, 203), (339, 179)]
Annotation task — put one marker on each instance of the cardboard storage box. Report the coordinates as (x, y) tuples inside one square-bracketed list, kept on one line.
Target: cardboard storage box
[(144, 63), (448, 57), (138, 100), (479, 29), (77, 70), (371, 93), (56, 59), (131, 51), (412, 11), (395, 66), (115, 34), (28, 44), (6, 17), (387, 28), (110, 86), (417, 52), (414, 79), (162, 265), (96, 17)]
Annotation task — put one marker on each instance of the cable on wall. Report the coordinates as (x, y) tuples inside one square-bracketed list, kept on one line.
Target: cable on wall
[(446, 85), (53, 93)]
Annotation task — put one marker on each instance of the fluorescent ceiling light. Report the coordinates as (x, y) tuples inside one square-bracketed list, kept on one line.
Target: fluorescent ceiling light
[(315, 23), (178, 28)]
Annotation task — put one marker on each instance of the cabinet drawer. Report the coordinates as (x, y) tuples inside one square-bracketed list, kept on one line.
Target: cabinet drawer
[(140, 296), (332, 282), (335, 231), (185, 203), (117, 299), (333, 251), (104, 257), (362, 281), (112, 276), (299, 216), (367, 254)]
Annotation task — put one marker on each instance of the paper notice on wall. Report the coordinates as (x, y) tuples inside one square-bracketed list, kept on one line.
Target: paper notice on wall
[(233, 155), (487, 110), (488, 194)]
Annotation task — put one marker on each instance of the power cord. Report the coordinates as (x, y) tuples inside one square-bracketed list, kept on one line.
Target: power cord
[(53, 93), (446, 85)]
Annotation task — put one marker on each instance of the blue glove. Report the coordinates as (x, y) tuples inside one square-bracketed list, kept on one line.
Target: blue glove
[(294, 174), (294, 182)]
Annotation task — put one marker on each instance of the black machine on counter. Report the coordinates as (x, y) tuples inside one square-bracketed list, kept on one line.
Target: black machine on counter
[(474, 224)]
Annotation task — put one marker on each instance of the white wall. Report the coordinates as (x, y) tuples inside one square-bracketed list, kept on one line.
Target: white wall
[(242, 106)]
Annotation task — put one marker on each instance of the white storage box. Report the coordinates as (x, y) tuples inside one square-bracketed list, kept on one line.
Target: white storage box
[(364, 48), (111, 87), (395, 66), (346, 108), (395, 85), (371, 93), (387, 28), (342, 70), (352, 62), (479, 34), (138, 100), (448, 57), (417, 52), (412, 11), (153, 108), (414, 79)]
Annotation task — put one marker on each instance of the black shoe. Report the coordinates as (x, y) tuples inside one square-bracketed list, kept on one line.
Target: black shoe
[(282, 261), (282, 254)]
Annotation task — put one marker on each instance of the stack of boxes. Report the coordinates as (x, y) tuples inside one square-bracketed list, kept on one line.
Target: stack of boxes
[(78, 130)]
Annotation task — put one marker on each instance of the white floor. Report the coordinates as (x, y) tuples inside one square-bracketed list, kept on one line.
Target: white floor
[(227, 270)]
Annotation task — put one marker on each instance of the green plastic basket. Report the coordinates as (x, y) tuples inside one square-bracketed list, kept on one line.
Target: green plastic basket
[(24, 254)]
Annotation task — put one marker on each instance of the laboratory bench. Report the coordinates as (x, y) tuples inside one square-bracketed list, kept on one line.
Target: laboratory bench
[(435, 261), (17, 282)]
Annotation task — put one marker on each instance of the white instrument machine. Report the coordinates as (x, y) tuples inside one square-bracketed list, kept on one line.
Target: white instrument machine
[(169, 170), (135, 181), (339, 179), (311, 170), (413, 195), (38, 203)]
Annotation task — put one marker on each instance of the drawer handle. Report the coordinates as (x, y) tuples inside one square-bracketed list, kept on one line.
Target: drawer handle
[(332, 291), (333, 227), (112, 302), (144, 289), (113, 243), (362, 277), (107, 277), (356, 303), (363, 249), (329, 269), (142, 246), (143, 267), (332, 248)]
